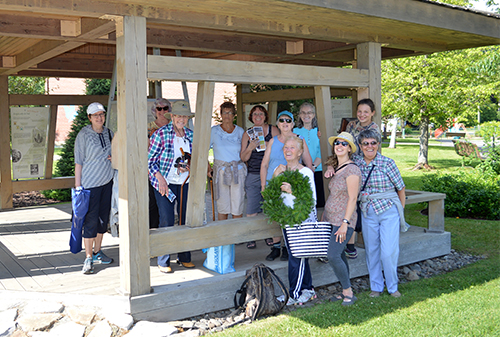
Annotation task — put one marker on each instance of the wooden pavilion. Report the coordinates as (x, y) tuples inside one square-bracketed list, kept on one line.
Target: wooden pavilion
[(334, 47)]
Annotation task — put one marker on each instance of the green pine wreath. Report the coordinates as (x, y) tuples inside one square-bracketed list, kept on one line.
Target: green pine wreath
[(274, 207)]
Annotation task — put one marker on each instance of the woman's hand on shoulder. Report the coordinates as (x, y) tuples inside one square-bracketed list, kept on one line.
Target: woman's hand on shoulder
[(280, 169)]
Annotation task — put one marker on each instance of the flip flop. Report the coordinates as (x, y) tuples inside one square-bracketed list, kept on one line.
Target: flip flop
[(350, 300), (269, 242), (251, 245), (337, 298)]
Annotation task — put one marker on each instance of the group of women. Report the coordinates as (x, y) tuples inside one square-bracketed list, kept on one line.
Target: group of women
[(243, 163)]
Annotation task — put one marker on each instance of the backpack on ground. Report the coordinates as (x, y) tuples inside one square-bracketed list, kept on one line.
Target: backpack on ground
[(257, 294)]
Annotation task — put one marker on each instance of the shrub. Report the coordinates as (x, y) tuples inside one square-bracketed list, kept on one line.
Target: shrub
[(469, 193)]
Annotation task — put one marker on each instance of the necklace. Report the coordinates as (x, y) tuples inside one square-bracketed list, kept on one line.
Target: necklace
[(293, 168), (227, 129), (178, 132)]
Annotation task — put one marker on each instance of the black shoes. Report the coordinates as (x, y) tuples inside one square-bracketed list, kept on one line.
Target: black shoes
[(275, 252), (284, 254)]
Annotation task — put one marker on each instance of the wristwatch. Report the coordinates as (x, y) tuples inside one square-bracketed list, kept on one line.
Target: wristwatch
[(346, 221)]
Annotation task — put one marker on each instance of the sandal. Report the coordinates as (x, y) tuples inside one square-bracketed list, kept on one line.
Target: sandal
[(251, 245), (269, 242), (349, 300), (336, 298)]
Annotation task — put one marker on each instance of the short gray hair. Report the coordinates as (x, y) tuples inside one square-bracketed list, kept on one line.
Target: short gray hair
[(370, 133), (157, 102)]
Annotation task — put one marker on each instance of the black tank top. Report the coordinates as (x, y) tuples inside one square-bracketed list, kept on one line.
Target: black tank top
[(256, 157)]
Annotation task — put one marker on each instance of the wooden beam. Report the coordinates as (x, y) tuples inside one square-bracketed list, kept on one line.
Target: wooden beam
[(199, 158), (42, 184), (190, 69), (5, 166), (182, 238), (57, 99), (49, 162), (369, 57), (47, 49), (323, 102), (289, 94), (132, 161)]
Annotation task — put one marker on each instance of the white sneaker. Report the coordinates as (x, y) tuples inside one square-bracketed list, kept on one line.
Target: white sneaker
[(291, 301), (306, 296)]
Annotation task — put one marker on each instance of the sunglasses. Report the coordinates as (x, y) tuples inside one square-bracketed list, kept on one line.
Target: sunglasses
[(164, 108), (338, 142), (372, 143), (285, 120)]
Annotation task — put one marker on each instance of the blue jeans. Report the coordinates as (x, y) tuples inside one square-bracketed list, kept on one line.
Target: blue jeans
[(337, 259), (381, 237), (167, 217)]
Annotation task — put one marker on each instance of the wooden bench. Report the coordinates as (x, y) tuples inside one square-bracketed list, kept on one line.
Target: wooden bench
[(467, 149), (455, 134)]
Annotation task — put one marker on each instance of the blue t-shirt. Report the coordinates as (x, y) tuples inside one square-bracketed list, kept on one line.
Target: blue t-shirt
[(227, 146), (312, 141)]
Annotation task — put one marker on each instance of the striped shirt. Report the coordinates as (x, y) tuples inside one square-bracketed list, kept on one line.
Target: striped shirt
[(91, 151), (161, 155), (385, 177)]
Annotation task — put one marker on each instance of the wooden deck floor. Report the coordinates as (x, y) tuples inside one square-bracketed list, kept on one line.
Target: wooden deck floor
[(35, 256), (35, 263)]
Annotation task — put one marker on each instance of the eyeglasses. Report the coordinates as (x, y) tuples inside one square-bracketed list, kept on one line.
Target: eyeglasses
[(307, 113), (164, 108), (227, 112), (258, 114), (98, 115), (338, 142), (285, 120), (372, 143)]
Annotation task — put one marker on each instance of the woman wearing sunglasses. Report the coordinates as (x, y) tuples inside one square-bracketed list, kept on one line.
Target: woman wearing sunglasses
[(273, 157), (160, 110), (340, 209), (382, 204)]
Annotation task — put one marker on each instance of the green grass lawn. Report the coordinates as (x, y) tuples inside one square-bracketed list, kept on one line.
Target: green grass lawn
[(465, 302)]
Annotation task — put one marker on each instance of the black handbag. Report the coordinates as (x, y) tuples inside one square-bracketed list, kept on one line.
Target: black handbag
[(358, 205)]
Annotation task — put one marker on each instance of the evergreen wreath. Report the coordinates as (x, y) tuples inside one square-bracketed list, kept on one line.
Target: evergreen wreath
[(274, 207)]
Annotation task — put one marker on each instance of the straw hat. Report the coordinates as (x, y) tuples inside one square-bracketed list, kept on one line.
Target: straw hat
[(344, 136)]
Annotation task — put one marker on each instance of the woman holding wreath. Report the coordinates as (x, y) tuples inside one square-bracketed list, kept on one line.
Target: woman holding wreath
[(273, 157), (340, 209), (299, 273)]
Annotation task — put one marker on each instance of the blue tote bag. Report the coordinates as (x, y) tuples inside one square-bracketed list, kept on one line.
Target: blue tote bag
[(220, 259), (80, 202)]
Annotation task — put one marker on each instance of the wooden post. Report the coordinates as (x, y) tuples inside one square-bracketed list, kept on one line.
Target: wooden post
[(370, 57), (323, 101), (199, 158), (240, 118), (132, 159), (49, 164), (5, 166), (273, 112)]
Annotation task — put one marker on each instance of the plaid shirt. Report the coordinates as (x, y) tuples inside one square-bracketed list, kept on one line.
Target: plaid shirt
[(385, 177), (161, 151)]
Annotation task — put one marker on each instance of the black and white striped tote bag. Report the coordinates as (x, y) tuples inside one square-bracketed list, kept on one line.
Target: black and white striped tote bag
[(309, 239)]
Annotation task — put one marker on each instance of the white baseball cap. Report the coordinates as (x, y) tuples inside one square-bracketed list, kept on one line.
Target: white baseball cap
[(95, 107)]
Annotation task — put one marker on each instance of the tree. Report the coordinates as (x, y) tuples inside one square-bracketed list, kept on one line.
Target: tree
[(436, 88), (65, 167), (26, 85)]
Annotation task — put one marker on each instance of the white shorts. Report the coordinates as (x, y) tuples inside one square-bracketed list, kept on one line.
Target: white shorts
[(231, 198)]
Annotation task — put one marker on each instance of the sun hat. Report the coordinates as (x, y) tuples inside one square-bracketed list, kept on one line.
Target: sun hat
[(95, 107), (181, 108), (286, 113), (344, 136)]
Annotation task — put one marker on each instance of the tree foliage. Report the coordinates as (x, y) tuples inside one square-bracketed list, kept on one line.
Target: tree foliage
[(26, 85), (438, 88), (65, 167)]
